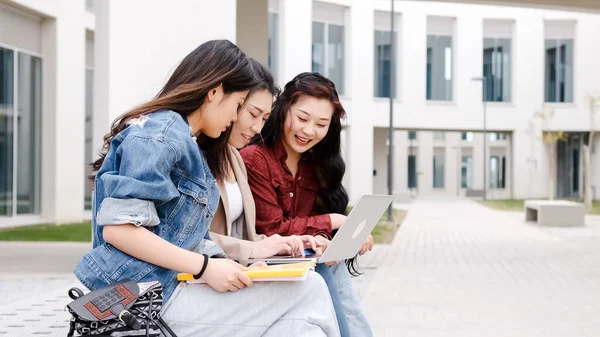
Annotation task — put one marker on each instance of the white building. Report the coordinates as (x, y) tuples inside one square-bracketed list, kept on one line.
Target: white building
[(69, 67)]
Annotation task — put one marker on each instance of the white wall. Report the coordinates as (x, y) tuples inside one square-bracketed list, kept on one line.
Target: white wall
[(295, 34), (138, 58), (529, 161), (139, 43), (63, 93), (253, 28)]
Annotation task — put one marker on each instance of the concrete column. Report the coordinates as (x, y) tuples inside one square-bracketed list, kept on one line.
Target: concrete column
[(252, 30), (529, 155), (63, 121), (360, 72), (135, 60), (295, 27)]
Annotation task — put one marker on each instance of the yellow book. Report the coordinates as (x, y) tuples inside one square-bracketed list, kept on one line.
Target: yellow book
[(279, 272)]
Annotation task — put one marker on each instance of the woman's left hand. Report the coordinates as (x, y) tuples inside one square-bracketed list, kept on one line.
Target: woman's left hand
[(367, 245)]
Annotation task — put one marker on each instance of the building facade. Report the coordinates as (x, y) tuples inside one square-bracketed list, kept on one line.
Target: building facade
[(68, 68)]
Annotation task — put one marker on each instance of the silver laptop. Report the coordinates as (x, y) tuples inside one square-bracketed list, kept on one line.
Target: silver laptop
[(349, 239)]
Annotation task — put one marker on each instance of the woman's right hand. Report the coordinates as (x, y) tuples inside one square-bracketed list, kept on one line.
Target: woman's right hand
[(337, 220), (283, 245), (226, 275)]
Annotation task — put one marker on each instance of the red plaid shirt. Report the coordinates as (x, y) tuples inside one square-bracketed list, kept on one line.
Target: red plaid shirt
[(285, 204)]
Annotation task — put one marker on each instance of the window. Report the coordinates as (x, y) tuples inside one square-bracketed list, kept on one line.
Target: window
[(497, 69), (20, 133), (466, 172), (412, 135), (328, 52), (466, 136), (89, 6), (439, 68), (497, 59), (318, 47), (273, 43), (575, 165), (412, 171), (438, 168), (439, 58), (497, 136), (439, 135), (497, 172), (383, 52), (559, 71), (89, 111)]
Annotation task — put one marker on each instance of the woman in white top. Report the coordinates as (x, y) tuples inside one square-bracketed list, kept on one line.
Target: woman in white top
[(234, 225)]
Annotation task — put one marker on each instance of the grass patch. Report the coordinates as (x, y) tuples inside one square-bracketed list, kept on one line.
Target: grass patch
[(385, 231), (518, 205), (79, 232)]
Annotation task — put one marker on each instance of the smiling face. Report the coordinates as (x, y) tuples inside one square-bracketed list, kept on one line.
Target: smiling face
[(306, 124), (254, 113)]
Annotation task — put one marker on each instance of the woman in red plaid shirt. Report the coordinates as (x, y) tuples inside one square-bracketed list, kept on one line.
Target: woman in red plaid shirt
[(295, 170)]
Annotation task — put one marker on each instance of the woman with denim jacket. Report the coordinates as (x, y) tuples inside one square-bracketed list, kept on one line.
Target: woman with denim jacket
[(295, 172), (155, 197), (233, 227)]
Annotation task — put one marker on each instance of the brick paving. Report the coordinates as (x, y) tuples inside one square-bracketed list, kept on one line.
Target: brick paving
[(457, 268)]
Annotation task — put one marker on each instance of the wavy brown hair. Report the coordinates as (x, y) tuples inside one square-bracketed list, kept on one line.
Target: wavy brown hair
[(213, 63), (326, 155)]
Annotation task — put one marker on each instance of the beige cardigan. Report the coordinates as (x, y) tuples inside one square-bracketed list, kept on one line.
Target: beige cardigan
[(239, 243)]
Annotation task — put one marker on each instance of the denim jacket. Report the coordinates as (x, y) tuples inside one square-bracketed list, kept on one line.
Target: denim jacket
[(155, 176)]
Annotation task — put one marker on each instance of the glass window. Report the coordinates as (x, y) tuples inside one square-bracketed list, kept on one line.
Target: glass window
[(273, 43), (439, 135), (383, 52), (466, 172), (497, 136), (438, 169), (6, 131), (497, 69), (412, 135), (328, 52), (335, 50), (20, 133), (412, 171), (89, 6), (497, 172), (89, 110), (559, 71), (439, 68), (318, 47), (29, 134), (466, 136)]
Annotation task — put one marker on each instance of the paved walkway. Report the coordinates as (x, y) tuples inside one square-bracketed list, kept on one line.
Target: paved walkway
[(457, 268)]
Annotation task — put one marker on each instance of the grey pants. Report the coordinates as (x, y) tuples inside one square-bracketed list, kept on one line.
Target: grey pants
[(301, 308)]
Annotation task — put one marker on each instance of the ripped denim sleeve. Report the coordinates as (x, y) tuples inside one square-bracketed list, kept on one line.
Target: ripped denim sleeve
[(127, 211)]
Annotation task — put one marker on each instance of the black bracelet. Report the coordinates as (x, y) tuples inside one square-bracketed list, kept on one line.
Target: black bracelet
[(199, 275)]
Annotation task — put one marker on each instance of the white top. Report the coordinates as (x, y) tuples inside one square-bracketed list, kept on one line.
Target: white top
[(236, 206)]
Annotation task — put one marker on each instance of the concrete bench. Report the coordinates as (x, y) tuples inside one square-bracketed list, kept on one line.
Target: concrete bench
[(555, 212)]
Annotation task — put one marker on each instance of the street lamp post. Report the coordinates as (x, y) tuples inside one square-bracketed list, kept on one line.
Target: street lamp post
[(391, 127), (484, 99)]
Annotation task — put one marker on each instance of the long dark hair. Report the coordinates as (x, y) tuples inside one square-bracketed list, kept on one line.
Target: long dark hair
[(326, 155), (211, 64), (216, 148)]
